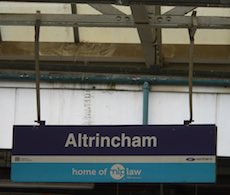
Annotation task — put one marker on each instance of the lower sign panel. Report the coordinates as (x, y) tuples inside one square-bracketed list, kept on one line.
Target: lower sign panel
[(114, 172), (164, 158)]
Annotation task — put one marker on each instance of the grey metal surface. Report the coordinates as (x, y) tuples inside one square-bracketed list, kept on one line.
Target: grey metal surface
[(180, 10), (158, 31), (75, 29), (204, 22), (210, 60), (209, 3), (0, 35), (107, 9), (146, 34)]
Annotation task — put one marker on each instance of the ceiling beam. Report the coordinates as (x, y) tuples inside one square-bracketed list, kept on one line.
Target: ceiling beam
[(210, 60), (206, 3), (107, 9), (117, 52), (179, 10), (156, 10), (75, 29), (214, 70), (68, 20), (146, 34)]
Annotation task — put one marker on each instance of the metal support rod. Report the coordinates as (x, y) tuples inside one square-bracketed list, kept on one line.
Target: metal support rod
[(201, 3), (107, 9), (37, 68), (191, 49), (120, 21), (0, 35), (145, 32), (158, 39), (192, 31), (75, 29), (179, 10), (145, 103)]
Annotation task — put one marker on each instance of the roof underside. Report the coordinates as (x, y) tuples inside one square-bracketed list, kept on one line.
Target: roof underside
[(221, 3), (148, 53)]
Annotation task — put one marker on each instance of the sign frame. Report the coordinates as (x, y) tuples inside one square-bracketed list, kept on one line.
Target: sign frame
[(115, 154)]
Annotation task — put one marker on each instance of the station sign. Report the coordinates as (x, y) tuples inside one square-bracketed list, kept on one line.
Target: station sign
[(121, 154)]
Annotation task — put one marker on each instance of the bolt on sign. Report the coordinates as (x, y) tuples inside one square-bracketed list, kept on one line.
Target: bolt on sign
[(122, 154)]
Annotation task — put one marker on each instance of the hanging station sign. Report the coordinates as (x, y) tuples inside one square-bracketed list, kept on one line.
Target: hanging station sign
[(129, 153)]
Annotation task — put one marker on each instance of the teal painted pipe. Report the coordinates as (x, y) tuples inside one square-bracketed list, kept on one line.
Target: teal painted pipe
[(116, 79), (145, 103)]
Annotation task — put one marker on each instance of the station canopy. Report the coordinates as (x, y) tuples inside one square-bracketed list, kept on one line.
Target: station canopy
[(144, 37)]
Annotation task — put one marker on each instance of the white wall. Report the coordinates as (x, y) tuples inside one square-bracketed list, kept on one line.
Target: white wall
[(79, 105), (7, 114)]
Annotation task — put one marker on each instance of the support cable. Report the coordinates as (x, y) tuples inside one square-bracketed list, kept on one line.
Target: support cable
[(192, 31), (37, 66)]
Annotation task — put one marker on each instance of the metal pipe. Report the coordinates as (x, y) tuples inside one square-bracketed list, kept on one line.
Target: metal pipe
[(146, 114), (115, 79), (145, 103)]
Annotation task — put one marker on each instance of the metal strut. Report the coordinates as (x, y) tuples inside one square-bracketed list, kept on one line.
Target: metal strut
[(75, 29), (192, 30), (37, 68), (0, 36)]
